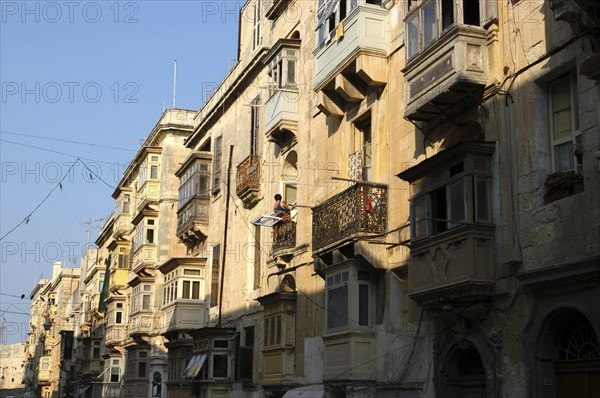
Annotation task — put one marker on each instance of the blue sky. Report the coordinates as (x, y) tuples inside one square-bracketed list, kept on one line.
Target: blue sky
[(95, 73)]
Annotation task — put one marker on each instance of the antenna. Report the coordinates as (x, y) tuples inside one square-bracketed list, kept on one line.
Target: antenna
[(174, 81)]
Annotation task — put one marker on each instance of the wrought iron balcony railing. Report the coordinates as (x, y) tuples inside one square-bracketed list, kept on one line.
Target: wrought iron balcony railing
[(248, 179), (358, 211), (285, 237)]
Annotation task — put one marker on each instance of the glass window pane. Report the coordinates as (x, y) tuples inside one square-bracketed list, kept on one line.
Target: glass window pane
[(563, 158), (141, 369), (562, 124), (419, 215), (337, 307), (447, 13), (186, 289), (412, 36), (482, 204), (146, 302), (278, 330), (429, 23), (196, 290), (266, 333), (471, 12), (456, 202), (220, 366), (154, 172), (363, 304)]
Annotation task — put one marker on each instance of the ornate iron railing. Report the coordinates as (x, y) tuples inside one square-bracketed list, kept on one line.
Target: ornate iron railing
[(359, 210), (285, 237), (248, 176)]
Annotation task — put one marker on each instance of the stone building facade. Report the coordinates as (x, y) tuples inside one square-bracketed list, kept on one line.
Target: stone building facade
[(440, 159)]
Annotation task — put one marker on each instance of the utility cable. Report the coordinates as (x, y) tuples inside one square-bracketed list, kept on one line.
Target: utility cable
[(25, 220)]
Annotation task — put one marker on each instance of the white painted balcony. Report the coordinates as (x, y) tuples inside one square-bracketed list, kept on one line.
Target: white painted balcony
[(148, 193), (281, 110), (144, 256), (183, 314)]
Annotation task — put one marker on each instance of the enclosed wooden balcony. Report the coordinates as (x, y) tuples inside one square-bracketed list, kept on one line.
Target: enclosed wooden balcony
[(145, 256), (248, 180), (115, 334), (357, 212), (358, 44), (285, 239), (455, 266), (281, 112), (44, 369), (118, 279), (349, 356), (182, 314), (141, 323), (122, 225), (148, 194), (448, 76), (192, 221), (278, 341)]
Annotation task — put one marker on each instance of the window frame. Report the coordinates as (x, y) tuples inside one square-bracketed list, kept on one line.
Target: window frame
[(441, 178), (575, 134), (145, 229), (175, 282), (355, 285), (416, 10), (217, 163)]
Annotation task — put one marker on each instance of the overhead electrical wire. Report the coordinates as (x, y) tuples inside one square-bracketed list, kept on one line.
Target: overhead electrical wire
[(26, 219), (69, 141), (62, 153)]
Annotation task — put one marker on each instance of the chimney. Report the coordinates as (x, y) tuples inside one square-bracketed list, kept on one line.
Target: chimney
[(56, 268)]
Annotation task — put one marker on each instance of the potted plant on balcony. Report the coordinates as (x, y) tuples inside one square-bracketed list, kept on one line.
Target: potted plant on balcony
[(561, 184)]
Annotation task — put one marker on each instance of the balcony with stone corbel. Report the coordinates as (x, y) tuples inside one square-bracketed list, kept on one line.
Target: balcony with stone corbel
[(350, 57)]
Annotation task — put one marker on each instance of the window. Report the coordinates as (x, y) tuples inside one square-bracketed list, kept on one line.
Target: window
[(220, 365), (330, 13), (217, 160), (256, 39), (257, 257), (145, 233), (96, 350), (245, 355), (123, 204), (141, 369), (283, 70), (101, 281), (254, 126), (115, 371), (349, 304), (215, 275), (193, 183), (141, 298), (122, 258), (565, 137), (148, 170), (118, 316), (272, 332), (367, 150), (423, 26), (337, 300), (456, 194), (189, 284)]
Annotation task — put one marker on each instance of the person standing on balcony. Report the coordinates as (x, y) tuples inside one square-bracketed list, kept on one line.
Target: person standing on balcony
[(281, 210)]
